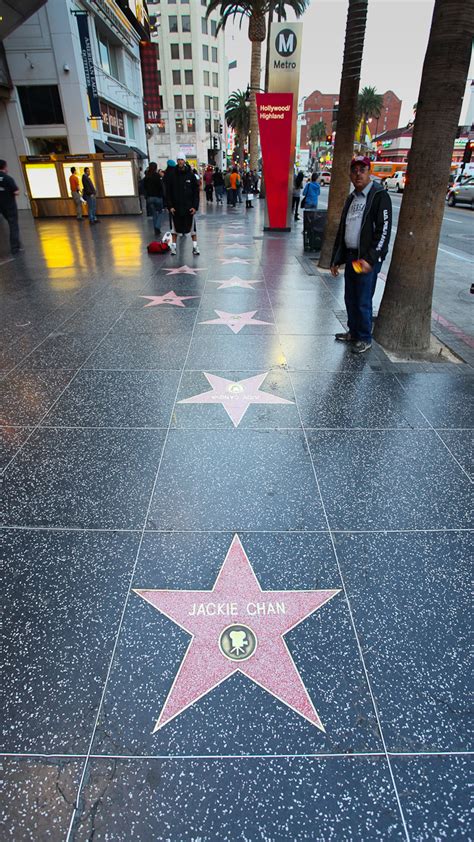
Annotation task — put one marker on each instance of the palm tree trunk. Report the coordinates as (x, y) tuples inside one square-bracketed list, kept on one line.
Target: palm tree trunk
[(254, 87), (404, 321), (346, 123), (267, 56)]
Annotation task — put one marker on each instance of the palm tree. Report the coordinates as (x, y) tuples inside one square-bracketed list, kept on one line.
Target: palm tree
[(237, 117), (346, 123), (317, 133), (255, 11), (369, 104), (404, 321)]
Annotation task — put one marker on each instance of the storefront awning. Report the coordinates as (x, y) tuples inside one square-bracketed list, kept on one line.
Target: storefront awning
[(100, 146), (142, 155)]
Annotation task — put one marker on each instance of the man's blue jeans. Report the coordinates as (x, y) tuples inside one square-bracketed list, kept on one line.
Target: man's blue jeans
[(91, 205), (358, 293), (156, 206)]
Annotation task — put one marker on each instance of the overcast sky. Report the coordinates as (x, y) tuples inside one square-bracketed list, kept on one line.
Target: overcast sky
[(394, 49)]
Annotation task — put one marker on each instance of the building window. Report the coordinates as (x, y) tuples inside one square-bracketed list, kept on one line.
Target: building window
[(205, 52), (112, 119), (40, 104), (189, 100), (214, 28), (131, 127), (107, 56), (187, 51), (174, 50), (179, 125), (216, 103), (217, 125), (173, 21), (191, 124), (176, 77), (204, 26), (185, 23), (208, 125), (206, 77), (214, 54), (188, 77), (178, 101), (207, 103), (215, 80)]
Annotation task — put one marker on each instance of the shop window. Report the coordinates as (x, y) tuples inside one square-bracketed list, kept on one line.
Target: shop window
[(40, 104)]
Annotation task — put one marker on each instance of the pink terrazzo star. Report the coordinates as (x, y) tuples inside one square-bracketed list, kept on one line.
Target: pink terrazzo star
[(236, 321), (237, 246), (237, 627), (235, 281), (167, 298), (225, 260), (183, 270), (235, 396)]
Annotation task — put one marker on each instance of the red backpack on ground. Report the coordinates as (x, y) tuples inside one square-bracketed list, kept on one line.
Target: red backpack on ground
[(157, 248)]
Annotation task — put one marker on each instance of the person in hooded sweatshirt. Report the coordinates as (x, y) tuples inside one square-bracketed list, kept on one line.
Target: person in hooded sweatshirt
[(182, 196)]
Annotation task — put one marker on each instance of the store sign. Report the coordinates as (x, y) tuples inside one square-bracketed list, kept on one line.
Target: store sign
[(275, 122), (284, 78), (151, 94), (112, 119), (88, 62)]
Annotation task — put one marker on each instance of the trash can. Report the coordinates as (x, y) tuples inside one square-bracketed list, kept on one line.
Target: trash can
[(313, 229)]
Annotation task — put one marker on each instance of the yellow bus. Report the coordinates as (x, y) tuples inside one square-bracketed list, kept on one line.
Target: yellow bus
[(386, 169)]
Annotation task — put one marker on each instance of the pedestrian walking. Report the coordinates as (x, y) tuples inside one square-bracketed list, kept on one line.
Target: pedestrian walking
[(8, 193), (154, 188), (247, 185), (209, 184), (227, 186), (297, 185), (90, 195), (311, 193), (218, 181), (234, 180), (183, 202), (361, 244), (76, 193), (239, 188)]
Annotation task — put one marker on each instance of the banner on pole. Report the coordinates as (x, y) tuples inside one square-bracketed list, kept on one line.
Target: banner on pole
[(275, 120), (151, 94), (87, 60)]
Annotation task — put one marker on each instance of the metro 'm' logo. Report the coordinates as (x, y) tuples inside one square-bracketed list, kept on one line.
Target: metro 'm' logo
[(286, 42)]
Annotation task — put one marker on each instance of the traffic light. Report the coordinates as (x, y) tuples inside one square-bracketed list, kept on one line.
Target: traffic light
[(329, 138), (468, 149), (215, 143), (221, 128)]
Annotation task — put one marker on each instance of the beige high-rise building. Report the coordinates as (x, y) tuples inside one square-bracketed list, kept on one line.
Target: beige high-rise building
[(193, 78)]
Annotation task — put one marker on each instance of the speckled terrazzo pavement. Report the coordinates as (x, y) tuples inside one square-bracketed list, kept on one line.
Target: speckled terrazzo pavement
[(351, 477)]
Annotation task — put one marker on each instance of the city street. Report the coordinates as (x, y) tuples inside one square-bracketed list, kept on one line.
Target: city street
[(236, 554)]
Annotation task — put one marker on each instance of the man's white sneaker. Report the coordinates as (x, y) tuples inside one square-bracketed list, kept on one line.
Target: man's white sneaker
[(173, 248), (196, 250)]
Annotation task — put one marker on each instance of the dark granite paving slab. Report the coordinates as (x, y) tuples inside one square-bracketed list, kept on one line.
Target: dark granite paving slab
[(64, 350), (234, 480), (156, 321), (230, 800), (151, 648), (271, 416), (460, 443), (232, 352), (27, 394), (390, 479), (116, 399), (142, 351), (314, 321), (446, 401), (38, 798), (410, 597), (65, 592), (434, 796), (323, 353), (11, 440), (354, 399), (82, 478)]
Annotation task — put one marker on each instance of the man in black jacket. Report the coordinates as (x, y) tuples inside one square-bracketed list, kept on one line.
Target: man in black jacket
[(182, 196), (362, 244), (155, 194)]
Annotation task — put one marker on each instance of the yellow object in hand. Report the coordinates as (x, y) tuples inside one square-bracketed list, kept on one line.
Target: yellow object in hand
[(356, 265)]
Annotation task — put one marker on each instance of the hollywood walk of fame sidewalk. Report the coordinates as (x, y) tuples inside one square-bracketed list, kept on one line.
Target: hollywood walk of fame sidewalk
[(236, 555)]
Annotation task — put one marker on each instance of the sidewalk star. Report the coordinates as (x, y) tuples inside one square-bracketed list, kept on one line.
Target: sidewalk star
[(235, 281), (236, 321), (237, 627), (167, 298), (235, 395), (226, 260), (183, 270)]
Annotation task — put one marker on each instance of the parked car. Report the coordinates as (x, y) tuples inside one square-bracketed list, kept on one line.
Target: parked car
[(396, 182), (325, 178), (462, 194)]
